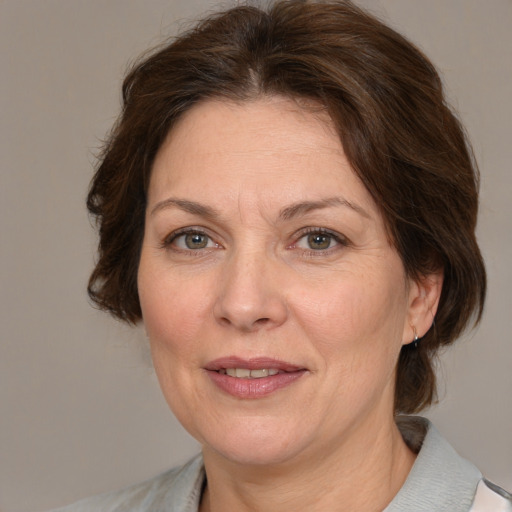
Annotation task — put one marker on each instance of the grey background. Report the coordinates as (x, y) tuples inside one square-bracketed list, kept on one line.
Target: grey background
[(80, 407)]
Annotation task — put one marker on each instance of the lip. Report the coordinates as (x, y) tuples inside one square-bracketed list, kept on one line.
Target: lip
[(255, 363), (253, 388)]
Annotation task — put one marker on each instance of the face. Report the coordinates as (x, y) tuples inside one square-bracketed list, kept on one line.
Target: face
[(274, 303)]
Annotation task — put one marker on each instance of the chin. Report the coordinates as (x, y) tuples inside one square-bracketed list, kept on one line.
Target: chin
[(253, 455), (258, 445)]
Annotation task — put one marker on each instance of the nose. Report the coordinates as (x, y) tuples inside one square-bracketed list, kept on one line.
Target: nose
[(250, 297)]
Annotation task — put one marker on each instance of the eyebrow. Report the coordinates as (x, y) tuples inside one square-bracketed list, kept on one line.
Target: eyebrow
[(290, 212), (187, 206), (304, 207)]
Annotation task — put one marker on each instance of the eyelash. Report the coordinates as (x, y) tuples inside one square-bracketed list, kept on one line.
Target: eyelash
[(171, 239), (340, 240)]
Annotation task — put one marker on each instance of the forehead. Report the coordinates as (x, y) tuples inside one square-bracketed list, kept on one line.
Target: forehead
[(268, 147), (266, 123)]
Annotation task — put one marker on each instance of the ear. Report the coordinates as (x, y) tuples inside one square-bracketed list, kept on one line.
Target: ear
[(423, 297)]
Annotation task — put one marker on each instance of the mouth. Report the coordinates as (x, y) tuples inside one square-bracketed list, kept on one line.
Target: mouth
[(252, 378), (255, 368), (245, 373)]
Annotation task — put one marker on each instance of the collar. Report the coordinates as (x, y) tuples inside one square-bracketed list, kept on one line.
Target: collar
[(440, 478)]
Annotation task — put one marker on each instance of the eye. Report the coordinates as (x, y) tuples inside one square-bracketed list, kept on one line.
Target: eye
[(195, 240), (319, 240), (190, 240)]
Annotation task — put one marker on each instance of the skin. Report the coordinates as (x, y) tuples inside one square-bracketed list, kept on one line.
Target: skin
[(254, 287)]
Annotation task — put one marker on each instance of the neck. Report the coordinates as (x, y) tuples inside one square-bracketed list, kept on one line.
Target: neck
[(363, 472)]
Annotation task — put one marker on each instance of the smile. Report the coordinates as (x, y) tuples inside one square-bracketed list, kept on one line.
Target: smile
[(252, 378), (245, 373)]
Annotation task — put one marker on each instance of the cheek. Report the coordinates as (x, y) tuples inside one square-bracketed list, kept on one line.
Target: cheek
[(355, 320), (356, 333), (173, 313), (350, 310), (173, 310)]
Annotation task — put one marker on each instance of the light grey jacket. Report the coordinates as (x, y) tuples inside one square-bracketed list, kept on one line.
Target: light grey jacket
[(440, 481)]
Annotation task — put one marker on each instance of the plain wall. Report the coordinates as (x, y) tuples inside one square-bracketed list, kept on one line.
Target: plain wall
[(80, 407)]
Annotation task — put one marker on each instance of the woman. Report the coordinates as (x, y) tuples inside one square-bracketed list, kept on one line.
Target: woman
[(269, 206)]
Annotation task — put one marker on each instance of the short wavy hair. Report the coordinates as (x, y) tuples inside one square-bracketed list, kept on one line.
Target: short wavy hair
[(387, 102)]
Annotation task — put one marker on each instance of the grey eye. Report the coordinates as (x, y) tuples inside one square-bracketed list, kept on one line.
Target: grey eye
[(192, 241), (319, 240)]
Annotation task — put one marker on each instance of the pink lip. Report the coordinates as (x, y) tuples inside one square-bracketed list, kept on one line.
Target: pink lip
[(255, 363), (252, 388)]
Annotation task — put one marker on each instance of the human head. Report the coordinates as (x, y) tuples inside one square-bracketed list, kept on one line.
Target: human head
[(387, 103)]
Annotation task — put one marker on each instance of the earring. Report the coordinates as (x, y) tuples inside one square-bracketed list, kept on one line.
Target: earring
[(416, 338)]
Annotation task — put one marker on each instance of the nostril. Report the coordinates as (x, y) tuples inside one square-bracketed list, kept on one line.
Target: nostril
[(224, 321), (249, 326)]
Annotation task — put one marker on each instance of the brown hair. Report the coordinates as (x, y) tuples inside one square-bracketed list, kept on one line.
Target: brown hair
[(387, 102)]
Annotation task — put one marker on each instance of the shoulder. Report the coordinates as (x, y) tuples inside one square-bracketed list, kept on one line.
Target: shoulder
[(177, 489), (440, 478), (491, 498)]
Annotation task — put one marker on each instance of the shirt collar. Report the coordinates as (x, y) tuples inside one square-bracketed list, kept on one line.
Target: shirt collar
[(440, 478)]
